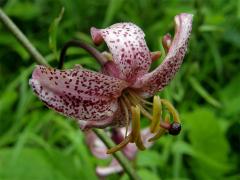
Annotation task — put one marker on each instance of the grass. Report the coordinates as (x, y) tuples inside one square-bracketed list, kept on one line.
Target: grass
[(36, 140)]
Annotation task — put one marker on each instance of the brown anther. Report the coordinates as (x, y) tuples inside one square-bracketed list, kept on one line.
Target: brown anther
[(174, 129)]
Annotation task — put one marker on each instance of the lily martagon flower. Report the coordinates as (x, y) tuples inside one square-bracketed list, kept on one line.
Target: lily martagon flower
[(117, 95)]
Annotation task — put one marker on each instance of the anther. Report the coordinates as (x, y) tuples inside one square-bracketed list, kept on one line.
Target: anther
[(136, 135), (119, 146), (135, 123), (174, 129), (157, 112)]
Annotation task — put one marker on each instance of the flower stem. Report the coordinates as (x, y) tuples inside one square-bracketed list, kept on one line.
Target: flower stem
[(41, 60), (76, 43)]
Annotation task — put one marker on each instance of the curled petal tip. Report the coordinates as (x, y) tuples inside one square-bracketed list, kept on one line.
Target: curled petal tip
[(36, 73), (185, 16), (111, 169), (183, 19), (96, 36)]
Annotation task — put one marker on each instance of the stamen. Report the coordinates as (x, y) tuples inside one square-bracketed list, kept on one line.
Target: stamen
[(132, 93), (174, 129), (127, 102), (120, 145), (135, 135), (157, 111), (146, 113), (126, 115), (161, 130), (136, 102), (135, 123), (140, 144), (165, 125), (172, 110)]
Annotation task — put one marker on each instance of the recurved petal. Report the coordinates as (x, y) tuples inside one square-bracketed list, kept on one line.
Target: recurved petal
[(113, 168), (156, 80), (128, 47), (79, 93), (96, 146)]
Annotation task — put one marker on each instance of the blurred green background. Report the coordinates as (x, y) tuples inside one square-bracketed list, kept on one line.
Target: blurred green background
[(36, 143)]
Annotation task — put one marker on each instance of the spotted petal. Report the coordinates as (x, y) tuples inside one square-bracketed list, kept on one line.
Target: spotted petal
[(128, 47), (156, 80), (87, 96)]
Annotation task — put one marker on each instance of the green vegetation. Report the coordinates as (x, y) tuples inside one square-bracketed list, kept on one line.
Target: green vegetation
[(37, 143)]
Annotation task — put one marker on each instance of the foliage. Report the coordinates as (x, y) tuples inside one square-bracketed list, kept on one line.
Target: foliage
[(36, 143)]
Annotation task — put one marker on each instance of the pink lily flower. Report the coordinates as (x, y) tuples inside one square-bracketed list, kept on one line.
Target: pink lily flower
[(117, 95)]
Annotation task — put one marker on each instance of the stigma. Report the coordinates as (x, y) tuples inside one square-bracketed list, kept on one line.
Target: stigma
[(161, 114)]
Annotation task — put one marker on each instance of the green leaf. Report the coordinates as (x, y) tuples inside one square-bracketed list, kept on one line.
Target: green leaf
[(112, 10), (11, 43), (31, 11), (53, 33), (143, 174), (202, 92), (38, 165), (230, 97), (146, 174), (209, 144), (148, 159), (214, 49)]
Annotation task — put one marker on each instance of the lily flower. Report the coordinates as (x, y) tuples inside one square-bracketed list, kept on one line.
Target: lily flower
[(117, 95)]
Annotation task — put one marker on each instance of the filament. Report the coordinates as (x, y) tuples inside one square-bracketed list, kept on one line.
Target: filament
[(120, 145), (135, 123), (172, 110), (126, 115)]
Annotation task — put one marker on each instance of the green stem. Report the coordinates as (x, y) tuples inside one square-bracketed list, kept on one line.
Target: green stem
[(41, 60), (21, 38)]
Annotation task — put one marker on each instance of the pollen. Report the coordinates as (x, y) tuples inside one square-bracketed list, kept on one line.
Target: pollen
[(163, 118)]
